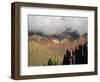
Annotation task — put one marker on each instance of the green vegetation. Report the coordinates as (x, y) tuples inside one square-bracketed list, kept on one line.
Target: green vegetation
[(51, 62), (85, 35), (40, 54)]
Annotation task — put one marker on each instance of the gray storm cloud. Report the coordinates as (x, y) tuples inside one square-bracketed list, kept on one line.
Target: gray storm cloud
[(55, 25)]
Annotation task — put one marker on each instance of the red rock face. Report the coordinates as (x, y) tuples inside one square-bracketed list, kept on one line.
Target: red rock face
[(71, 45), (76, 43)]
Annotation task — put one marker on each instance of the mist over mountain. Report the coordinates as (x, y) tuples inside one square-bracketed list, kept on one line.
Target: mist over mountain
[(58, 27)]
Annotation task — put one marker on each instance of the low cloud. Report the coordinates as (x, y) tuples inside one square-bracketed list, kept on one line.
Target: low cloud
[(50, 25)]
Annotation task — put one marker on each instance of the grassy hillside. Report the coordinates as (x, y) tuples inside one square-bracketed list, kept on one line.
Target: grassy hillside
[(39, 55), (42, 49)]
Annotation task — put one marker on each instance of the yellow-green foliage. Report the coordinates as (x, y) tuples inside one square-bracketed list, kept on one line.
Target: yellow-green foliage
[(39, 55)]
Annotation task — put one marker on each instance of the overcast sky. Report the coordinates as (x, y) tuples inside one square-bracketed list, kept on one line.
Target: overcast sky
[(55, 25)]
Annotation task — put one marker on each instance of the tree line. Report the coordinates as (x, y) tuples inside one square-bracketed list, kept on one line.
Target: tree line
[(77, 56)]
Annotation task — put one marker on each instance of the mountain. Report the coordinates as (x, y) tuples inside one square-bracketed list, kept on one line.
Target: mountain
[(71, 35), (43, 47), (80, 41)]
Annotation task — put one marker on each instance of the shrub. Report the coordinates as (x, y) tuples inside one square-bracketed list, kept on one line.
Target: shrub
[(51, 62)]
